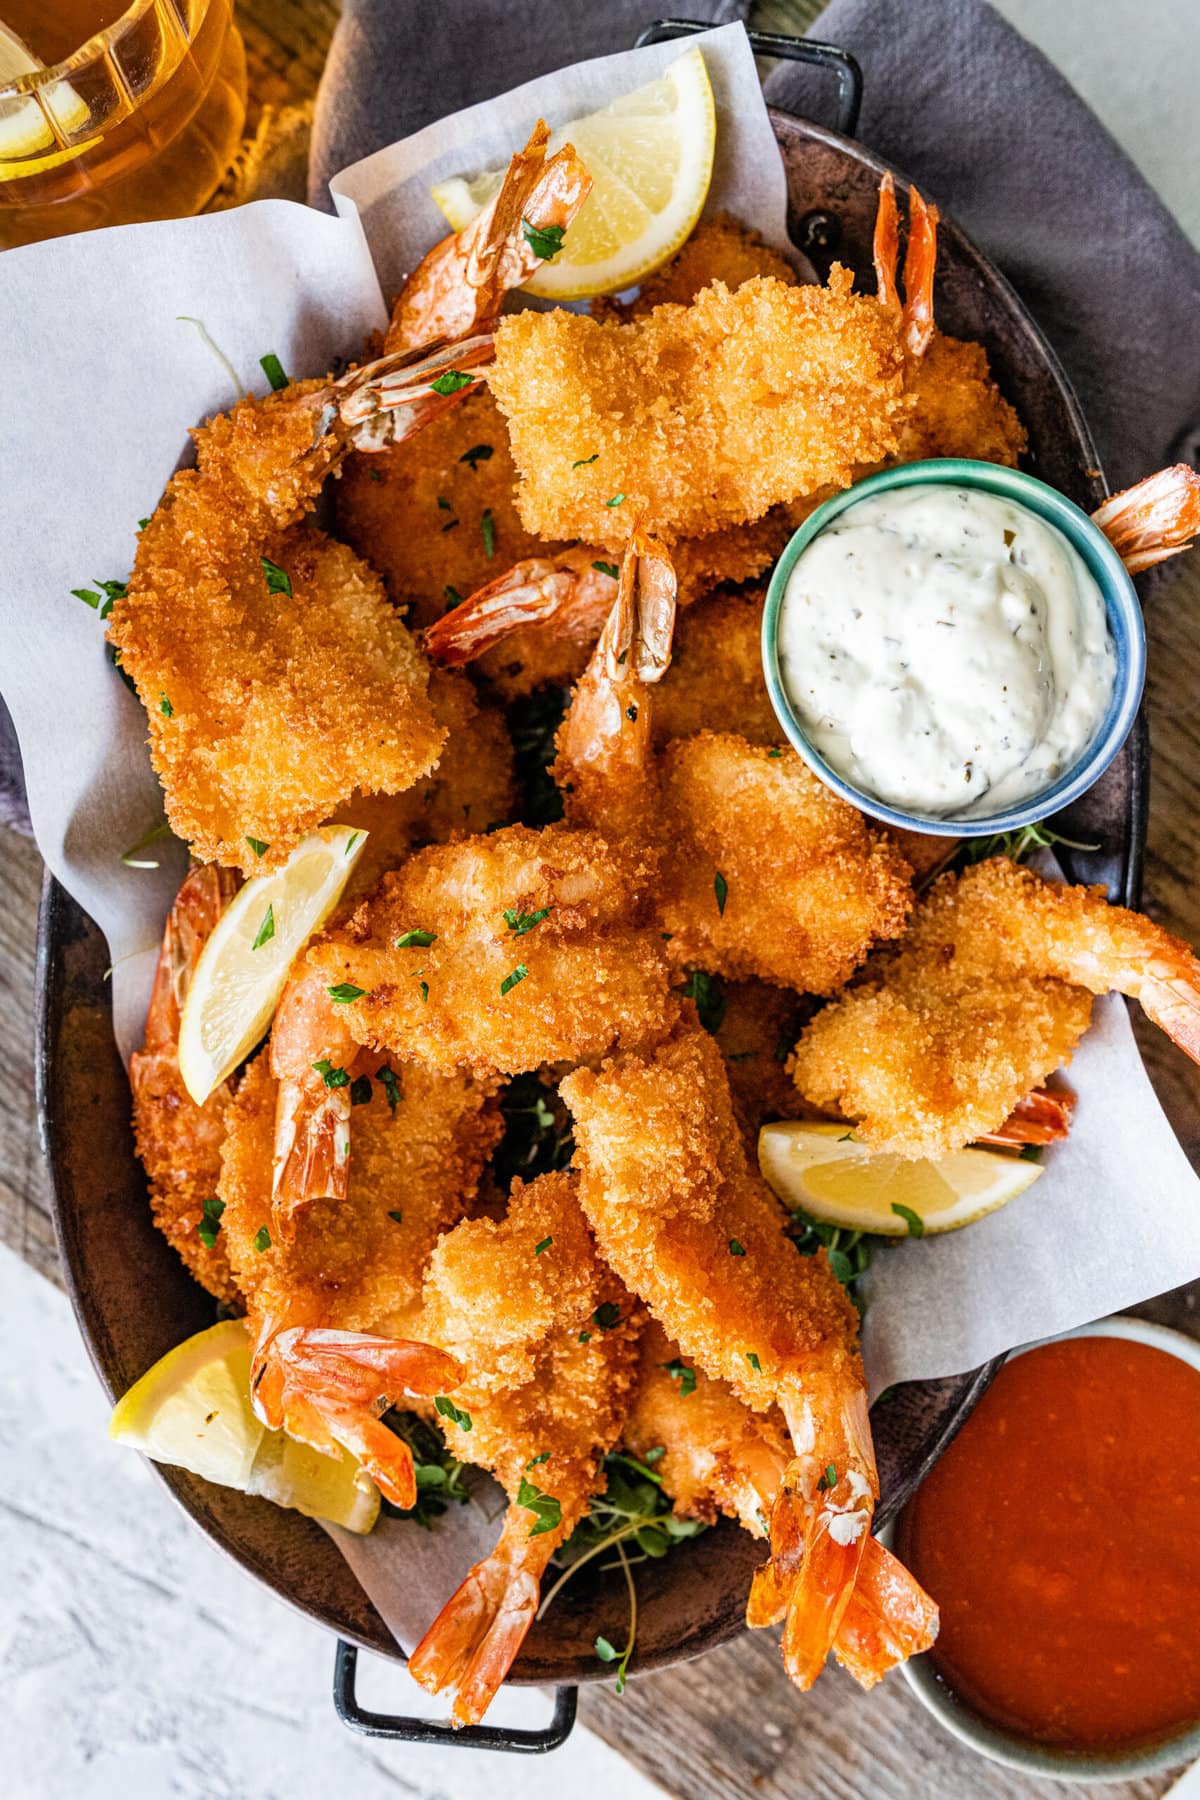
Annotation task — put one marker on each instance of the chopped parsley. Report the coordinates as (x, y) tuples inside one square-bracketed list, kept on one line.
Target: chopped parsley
[(390, 1083), (210, 1222), (476, 454), (397, 1217), (615, 500), (447, 1409), (266, 930), (330, 1074), (736, 1249), (101, 602), (418, 940), (452, 597), (272, 368), (606, 568), (583, 461), (510, 981), (752, 1359), (608, 1316), (544, 1245), (452, 382), (914, 1221), (351, 841), (165, 707), (345, 992), (521, 922), (424, 991), (774, 752), (374, 475), (487, 526), (544, 240), (721, 890), (439, 1475), (360, 1091), (709, 995), (828, 1479), (142, 524), (278, 580), (546, 1510), (680, 1372), (258, 847), (585, 1337), (262, 1239)]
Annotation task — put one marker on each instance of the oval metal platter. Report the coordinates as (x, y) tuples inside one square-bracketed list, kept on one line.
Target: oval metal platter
[(132, 1296)]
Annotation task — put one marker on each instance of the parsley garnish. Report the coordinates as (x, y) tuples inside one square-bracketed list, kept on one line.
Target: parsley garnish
[(266, 930), (278, 580), (707, 992), (510, 981), (544, 240), (487, 526), (360, 1091), (419, 940), (258, 847), (828, 1479), (774, 752), (547, 1511), (272, 368), (521, 922), (585, 460), (721, 890), (390, 1084), (424, 990), (544, 1245), (331, 1075), (165, 707), (452, 382), (653, 1456), (615, 500), (1031, 1153), (914, 1221), (585, 1337), (262, 1239), (374, 475), (610, 569), (736, 1249), (679, 1371), (210, 1222), (455, 1414), (345, 992), (752, 1359), (142, 524), (102, 602), (351, 841), (452, 597), (397, 1216), (608, 1316), (476, 454)]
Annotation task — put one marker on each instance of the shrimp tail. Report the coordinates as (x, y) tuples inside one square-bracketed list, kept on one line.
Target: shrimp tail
[(473, 1642), (1171, 998), (887, 247), (920, 262), (824, 1547), (203, 896), (387, 401), (1043, 1117), (889, 1618), (539, 591), (1154, 520)]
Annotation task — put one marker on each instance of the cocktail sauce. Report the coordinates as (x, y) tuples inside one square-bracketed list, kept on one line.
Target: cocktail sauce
[(1060, 1535)]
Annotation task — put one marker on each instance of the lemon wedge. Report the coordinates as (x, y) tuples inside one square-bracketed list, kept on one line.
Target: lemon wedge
[(25, 132), (243, 967), (193, 1409), (650, 157), (827, 1172)]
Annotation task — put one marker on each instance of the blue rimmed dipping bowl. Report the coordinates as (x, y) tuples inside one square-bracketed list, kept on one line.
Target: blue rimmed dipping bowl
[(1121, 605)]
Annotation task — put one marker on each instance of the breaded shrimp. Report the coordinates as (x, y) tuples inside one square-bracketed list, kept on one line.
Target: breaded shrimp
[(715, 681), (503, 953), (767, 872), (987, 994), (758, 1026), (548, 1337), (332, 1311), (179, 1143), (718, 250), (696, 1234), (703, 415), (719, 1457)]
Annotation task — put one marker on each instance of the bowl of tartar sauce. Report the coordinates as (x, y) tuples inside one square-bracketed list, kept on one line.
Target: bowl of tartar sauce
[(954, 647)]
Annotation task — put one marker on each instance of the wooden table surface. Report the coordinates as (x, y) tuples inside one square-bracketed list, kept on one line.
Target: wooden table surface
[(726, 1727)]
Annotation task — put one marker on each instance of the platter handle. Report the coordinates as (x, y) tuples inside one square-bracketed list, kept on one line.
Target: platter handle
[(839, 63), (428, 1731)]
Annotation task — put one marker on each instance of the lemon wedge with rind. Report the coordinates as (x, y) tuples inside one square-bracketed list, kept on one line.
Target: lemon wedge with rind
[(650, 157), (192, 1409), (243, 967), (834, 1178)]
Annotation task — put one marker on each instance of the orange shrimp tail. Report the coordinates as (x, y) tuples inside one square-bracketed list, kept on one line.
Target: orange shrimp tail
[(1172, 1000), (1154, 520), (889, 1618), (312, 1151), (387, 401), (826, 1568), (920, 262), (533, 592), (887, 247), (203, 896), (1043, 1117), (473, 1642)]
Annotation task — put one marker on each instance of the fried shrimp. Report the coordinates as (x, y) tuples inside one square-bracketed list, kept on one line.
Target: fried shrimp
[(178, 1142), (696, 1234), (988, 993), (503, 953), (719, 1457), (715, 681), (548, 1337), (756, 1027), (333, 1312), (703, 416)]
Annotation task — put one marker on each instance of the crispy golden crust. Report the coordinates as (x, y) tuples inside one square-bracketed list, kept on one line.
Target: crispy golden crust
[(808, 887), (667, 1189), (759, 1026), (353, 1265), (715, 681), (704, 415), (959, 410), (514, 1316), (718, 250), (179, 1144), (596, 977)]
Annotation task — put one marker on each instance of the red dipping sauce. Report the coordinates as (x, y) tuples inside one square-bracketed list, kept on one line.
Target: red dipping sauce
[(1060, 1535)]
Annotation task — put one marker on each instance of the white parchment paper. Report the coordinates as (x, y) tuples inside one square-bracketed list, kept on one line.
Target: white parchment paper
[(103, 383)]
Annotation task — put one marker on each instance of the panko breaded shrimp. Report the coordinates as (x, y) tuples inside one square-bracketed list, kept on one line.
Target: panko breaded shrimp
[(548, 1337), (179, 1142), (503, 953), (758, 1025), (719, 1457), (695, 1233), (718, 250), (333, 1312), (701, 416), (987, 994), (715, 681)]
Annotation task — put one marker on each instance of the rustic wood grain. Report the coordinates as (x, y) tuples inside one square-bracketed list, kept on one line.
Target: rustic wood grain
[(727, 1727)]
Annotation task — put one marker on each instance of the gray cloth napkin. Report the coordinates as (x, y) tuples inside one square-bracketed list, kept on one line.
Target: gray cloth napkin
[(953, 96)]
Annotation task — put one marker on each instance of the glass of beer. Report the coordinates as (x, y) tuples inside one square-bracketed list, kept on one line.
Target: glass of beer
[(113, 112)]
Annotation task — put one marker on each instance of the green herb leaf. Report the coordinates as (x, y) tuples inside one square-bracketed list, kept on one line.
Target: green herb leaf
[(278, 580), (452, 597), (452, 382), (424, 991), (752, 1359), (775, 752), (438, 1473), (655, 1455), (487, 526), (210, 1221), (709, 995), (455, 1414), (390, 1083), (608, 1316), (360, 1091), (535, 1460), (605, 1651), (544, 1245), (258, 847), (165, 707), (345, 992), (374, 475), (607, 568), (476, 454), (142, 524), (914, 1221), (547, 1511), (585, 1337), (828, 1479), (266, 930), (510, 981), (262, 1239), (272, 368), (544, 240), (521, 922), (721, 890), (1031, 1153), (331, 1075), (585, 460), (736, 1249), (686, 1377), (615, 500), (419, 940)]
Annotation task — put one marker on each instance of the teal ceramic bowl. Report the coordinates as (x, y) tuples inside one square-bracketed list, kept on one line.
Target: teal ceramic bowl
[(1124, 623), (1026, 1754)]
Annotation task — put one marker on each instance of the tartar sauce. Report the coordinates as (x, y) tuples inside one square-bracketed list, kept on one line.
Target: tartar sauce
[(946, 650)]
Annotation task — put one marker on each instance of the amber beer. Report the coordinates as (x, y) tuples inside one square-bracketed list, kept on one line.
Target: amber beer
[(113, 113)]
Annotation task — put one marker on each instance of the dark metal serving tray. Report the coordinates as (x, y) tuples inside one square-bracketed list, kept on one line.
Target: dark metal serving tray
[(132, 1296)]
